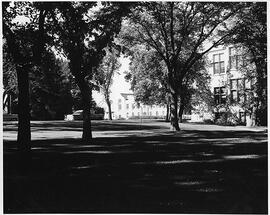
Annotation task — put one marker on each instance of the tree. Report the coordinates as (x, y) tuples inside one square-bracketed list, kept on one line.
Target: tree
[(104, 76), (50, 89), (84, 29), (148, 76), (25, 43), (182, 33), (250, 32), (49, 85)]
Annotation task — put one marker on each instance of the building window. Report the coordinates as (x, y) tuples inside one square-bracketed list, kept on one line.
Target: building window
[(235, 59), (220, 95), (218, 63), (240, 90)]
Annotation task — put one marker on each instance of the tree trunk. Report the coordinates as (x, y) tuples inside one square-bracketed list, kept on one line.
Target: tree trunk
[(86, 100), (181, 111), (167, 112), (24, 130), (174, 118), (109, 108), (86, 92)]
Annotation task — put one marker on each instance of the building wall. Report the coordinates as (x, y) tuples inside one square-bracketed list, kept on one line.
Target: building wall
[(222, 81), (125, 107)]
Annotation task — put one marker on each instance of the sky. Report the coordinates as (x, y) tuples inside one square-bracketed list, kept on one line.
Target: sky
[(120, 85)]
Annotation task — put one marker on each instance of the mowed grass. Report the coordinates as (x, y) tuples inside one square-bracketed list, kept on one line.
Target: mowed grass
[(136, 167)]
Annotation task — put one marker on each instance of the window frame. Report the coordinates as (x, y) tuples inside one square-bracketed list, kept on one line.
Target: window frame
[(237, 58), (220, 69), (220, 94)]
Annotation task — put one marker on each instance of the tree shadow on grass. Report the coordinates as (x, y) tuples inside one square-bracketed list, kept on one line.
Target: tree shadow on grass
[(195, 172), (77, 126)]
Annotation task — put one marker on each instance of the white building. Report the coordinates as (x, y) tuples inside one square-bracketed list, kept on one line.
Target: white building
[(228, 84), (125, 107)]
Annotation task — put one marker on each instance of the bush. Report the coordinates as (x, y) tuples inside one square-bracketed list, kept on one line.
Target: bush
[(227, 119), (208, 121)]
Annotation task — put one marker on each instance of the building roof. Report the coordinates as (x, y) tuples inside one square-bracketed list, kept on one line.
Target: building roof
[(125, 95)]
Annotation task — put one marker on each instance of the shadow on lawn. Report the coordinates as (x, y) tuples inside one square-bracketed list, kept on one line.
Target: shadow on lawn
[(195, 172), (77, 126)]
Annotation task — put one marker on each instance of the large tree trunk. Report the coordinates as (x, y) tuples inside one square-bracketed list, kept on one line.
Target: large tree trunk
[(181, 111), (174, 118), (24, 130), (109, 108), (86, 99), (87, 131), (167, 112), (86, 92)]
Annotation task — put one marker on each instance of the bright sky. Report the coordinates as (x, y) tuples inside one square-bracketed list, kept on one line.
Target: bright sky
[(120, 85)]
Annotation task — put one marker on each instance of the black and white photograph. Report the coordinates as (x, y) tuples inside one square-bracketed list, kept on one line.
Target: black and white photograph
[(134, 107)]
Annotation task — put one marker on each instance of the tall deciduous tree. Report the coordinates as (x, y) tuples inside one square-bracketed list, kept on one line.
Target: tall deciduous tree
[(181, 33), (84, 30), (105, 73), (23, 28), (147, 76)]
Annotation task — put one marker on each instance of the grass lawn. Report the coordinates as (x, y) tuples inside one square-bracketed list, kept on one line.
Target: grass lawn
[(136, 167)]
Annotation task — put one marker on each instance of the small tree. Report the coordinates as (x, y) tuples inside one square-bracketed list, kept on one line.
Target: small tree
[(104, 76)]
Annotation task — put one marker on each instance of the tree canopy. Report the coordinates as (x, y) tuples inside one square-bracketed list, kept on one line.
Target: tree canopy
[(181, 33)]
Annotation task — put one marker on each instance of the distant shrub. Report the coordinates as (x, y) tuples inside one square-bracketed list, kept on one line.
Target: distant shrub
[(208, 121), (227, 119)]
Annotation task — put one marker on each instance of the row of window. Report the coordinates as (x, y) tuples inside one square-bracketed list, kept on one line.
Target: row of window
[(127, 106), (143, 114), (235, 60), (240, 91)]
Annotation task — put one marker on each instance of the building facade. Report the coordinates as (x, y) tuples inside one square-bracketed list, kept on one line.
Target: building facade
[(125, 107), (231, 89), (230, 93)]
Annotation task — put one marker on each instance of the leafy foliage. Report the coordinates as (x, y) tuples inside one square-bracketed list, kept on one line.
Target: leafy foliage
[(50, 89), (147, 76), (181, 33), (250, 32)]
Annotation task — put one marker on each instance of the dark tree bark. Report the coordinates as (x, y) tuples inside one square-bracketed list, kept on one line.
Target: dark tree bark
[(181, 111), (109, 108), (86, 91), (24, 130), (174, 118), (167, 112), (86, 98)]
